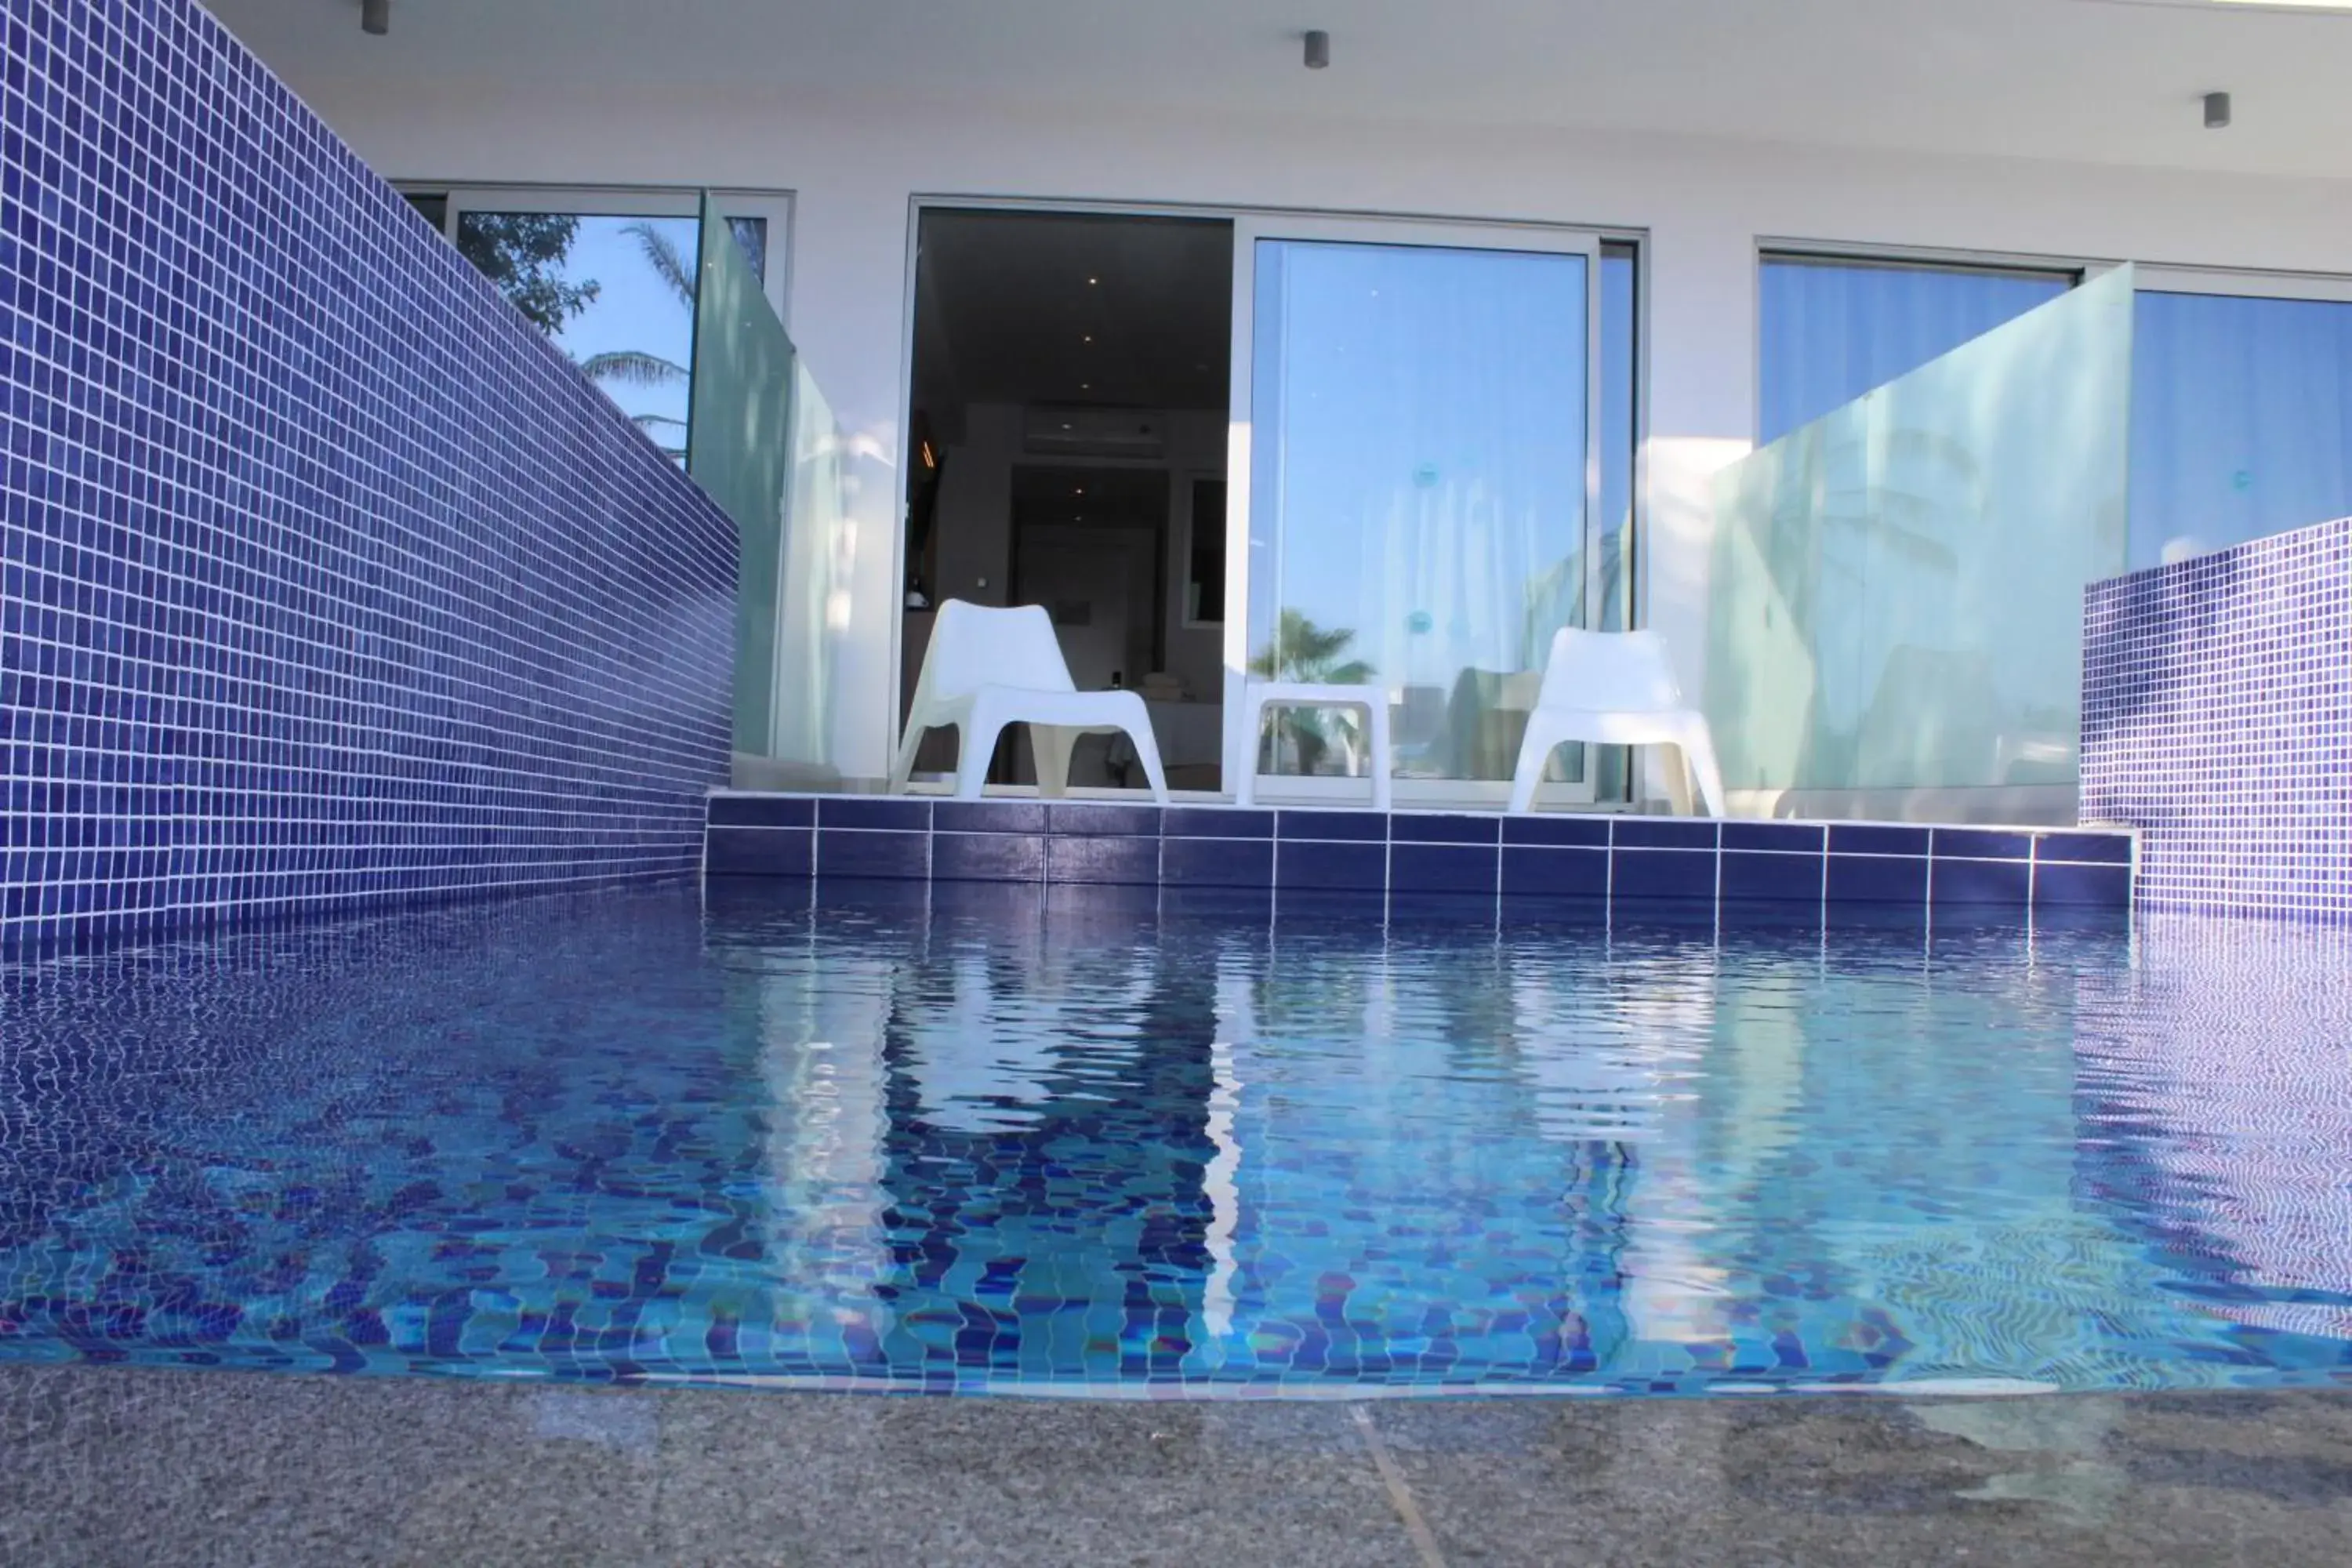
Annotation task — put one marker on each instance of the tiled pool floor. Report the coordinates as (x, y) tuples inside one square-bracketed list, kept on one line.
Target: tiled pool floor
[(1082, 1140), (112, 1466)]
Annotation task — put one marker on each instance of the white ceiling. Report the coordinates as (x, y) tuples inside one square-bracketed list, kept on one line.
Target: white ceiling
[(2097, 80)]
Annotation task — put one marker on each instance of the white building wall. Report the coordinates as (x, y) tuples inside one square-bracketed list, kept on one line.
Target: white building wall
[(854, 167)]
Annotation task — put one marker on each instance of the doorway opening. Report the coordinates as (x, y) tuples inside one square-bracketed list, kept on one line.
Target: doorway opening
[(1070, 406)]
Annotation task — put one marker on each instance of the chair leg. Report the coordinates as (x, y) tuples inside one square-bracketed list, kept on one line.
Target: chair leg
[(903, 769), (1051, 745), (975, 744), (1246, 772), (1675, 765), (1147, 751), (1535, 748), (1698, 751)]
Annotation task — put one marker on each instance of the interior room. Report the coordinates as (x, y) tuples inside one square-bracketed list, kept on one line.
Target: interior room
[(1068, 425)]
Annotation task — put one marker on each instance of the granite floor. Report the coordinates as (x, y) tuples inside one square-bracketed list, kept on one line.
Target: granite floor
[(109, 1465)]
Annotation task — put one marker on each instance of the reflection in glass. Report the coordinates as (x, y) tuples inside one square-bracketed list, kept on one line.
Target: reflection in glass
[(1830, 328), (1895, 599), (1419, 491), (615, 293), (2241, 420)]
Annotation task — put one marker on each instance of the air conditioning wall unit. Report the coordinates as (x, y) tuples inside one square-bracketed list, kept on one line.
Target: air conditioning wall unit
[(1050, 430)]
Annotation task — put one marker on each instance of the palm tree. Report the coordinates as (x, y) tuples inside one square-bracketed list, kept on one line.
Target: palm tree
[(1302, 651), (636, 367)]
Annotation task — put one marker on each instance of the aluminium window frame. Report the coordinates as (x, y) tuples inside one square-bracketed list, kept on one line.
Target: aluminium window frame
[(775, 207), (1639, 240)]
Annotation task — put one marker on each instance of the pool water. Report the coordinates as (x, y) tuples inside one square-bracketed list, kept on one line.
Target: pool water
[(1012, 1140)]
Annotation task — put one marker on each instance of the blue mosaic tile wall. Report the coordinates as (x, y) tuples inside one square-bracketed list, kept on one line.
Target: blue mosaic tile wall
[(328, 579), (2217, 718), (1486, 859)]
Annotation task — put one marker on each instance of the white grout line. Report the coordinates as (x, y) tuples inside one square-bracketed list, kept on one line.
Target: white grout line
[(1424, 1540)]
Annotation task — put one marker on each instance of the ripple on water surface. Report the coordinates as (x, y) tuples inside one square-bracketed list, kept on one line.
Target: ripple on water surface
[(1085, 1142)]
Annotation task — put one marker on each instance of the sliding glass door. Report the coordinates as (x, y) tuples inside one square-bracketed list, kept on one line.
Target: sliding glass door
[(1414, 451)]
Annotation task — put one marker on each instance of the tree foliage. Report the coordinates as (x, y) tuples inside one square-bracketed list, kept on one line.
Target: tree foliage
[(523, 254)]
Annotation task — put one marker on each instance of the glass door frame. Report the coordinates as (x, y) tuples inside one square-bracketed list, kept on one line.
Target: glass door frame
[(1249, 229)]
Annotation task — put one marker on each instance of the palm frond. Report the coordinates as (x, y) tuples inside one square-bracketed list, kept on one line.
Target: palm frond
[(662, 256), (646, 422), (632, 367)]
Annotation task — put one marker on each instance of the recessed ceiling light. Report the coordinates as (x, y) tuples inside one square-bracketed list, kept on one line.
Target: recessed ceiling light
[(1088, 338), (1092, 282)]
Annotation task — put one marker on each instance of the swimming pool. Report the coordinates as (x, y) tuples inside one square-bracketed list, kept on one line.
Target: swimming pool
[(1106, 1142)]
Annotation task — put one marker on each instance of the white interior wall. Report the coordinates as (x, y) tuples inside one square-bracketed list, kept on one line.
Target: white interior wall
[(1705, 203), (974, 520)]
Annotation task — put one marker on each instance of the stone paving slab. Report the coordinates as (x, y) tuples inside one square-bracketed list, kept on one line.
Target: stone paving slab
[(102, 1466)]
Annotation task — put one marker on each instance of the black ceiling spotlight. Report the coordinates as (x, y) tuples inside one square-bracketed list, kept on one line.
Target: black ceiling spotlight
[(2217, 111), (375, 16), (1318, 49)]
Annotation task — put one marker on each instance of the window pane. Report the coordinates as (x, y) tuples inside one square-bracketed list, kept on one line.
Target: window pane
[(1418, 492), (432, 207), (1828, 331), (2241, 420), (617, 294), (1614, 534)]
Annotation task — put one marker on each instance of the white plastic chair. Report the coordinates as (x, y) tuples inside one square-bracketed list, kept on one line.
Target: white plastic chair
[(1260, 695), (986, 668), (1613, 689)]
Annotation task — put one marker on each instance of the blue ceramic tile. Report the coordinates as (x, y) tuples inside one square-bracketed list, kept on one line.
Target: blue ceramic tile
[(1556, 831), (2217, 718), (1440, 916), (758, 852), (301, 537), (1661, 874), (1330, 825), (1769, 914), (1331, 867), (849, 852), (1876, 839), (2102, 849), (1237, 907), (2003, 882), (2081, 886), (1535, 871), (988, 858), (988, 816), (761, 811), (1217, 862), (1543, 908), (1103, 819), (1441, 869), (1665, 832), (1982, 844), (1876, 878), (1215, 822), (1431, 828), (1803, 838), (1903, 917), (1758, 874), (873, 811), (1103, 859), (1670, 914)]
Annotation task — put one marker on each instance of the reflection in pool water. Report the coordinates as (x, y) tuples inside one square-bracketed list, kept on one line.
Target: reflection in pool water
[(1003, 1139)]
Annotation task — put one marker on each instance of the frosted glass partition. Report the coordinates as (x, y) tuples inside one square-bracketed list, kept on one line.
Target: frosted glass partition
[(816, 523), (1896, 593), (761, 441)]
